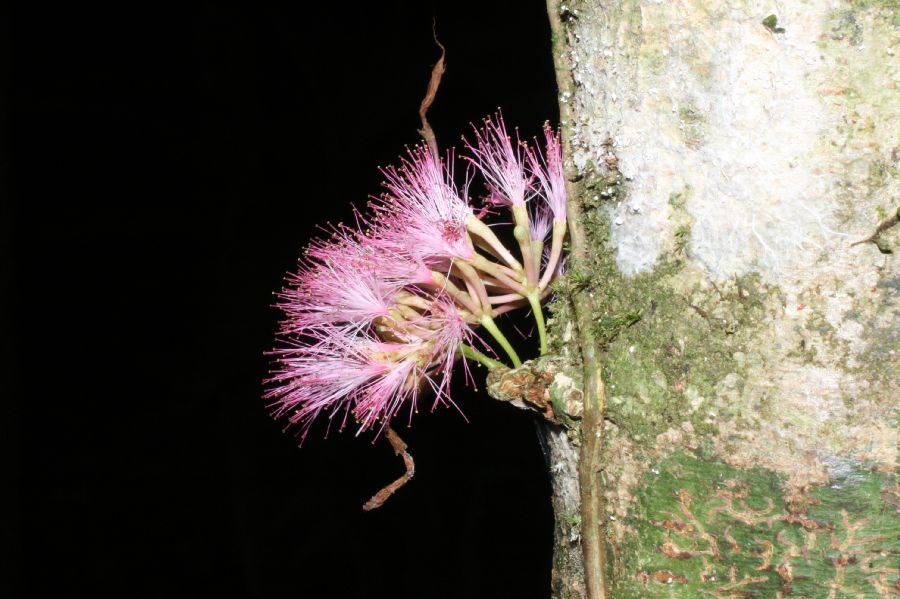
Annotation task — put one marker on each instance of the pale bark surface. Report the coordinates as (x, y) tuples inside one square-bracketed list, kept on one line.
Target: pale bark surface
[(725, 163)]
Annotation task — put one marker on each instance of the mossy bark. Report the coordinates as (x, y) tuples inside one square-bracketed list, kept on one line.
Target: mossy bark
[(723, 157)]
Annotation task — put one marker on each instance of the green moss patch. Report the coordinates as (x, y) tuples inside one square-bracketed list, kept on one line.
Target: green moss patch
[(703, 528), (668, 349)]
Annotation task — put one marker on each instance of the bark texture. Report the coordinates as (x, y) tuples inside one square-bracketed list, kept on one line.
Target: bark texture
[(724, 157), (568, 565)]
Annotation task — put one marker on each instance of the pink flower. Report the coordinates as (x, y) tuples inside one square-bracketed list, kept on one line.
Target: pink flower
[(425, 359), (369, 325), (422, 215), (337, 287), (540, 222), (501, 165), (336, 369), (549, 174), (324, 373), (448, 330), (400, 379)]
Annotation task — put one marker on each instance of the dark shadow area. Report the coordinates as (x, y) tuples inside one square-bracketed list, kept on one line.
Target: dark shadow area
[(168, 168)]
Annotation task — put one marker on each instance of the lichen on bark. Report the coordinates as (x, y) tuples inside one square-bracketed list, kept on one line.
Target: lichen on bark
[(749, 350)]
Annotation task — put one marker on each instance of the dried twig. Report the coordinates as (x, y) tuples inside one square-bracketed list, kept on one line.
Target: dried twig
[(881, 228), (399, 449), (436, 73), (427, 134)]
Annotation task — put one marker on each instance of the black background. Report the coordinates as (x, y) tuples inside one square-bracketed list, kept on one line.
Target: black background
[(167, 167)]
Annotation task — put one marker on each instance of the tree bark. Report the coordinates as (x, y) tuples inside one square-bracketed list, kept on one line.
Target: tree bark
[(723, 157)]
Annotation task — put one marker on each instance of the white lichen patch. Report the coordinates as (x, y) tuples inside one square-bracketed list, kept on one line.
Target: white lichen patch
[(811, 390), (702, 96)]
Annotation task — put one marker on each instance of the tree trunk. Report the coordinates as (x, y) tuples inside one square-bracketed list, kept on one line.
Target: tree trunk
[(723, 161)]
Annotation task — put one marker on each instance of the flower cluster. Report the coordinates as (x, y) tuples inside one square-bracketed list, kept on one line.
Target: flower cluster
[(375, 317)]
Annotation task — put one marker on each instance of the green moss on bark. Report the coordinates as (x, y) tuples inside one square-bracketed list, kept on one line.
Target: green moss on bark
[(701, 528), (670, 348)]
